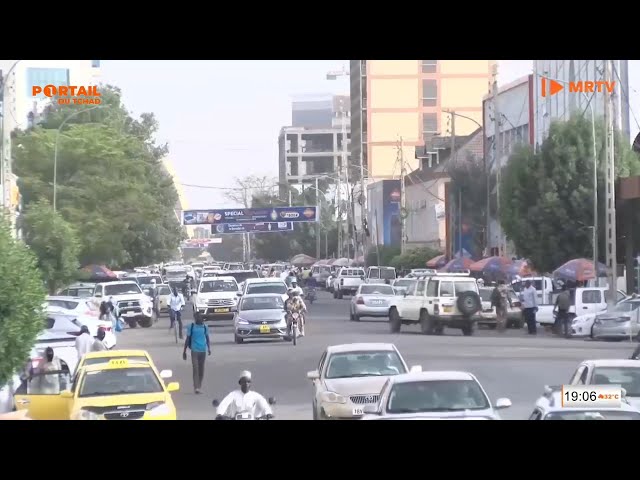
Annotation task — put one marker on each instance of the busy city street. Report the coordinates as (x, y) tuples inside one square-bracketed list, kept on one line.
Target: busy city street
[(513, 365)]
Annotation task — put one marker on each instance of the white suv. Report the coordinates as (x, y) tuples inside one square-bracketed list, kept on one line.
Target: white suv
[(443, 300)]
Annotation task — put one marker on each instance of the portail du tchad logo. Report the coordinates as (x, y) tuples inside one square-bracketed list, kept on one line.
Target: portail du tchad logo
[(66, 95)]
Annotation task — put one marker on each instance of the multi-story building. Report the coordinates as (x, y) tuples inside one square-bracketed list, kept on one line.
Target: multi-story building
[(20, 109), (313, 145), (409, 100), (517, 126), (181, 205)]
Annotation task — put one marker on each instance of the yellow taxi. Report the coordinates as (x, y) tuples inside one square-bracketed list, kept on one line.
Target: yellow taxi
[(93, 358), (117, 390)]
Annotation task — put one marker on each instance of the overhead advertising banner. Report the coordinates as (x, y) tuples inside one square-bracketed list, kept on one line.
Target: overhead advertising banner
[(249, 215), (224, 228)]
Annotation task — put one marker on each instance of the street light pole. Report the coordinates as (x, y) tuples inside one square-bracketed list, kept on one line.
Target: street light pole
[(55, 151), (5, 144)]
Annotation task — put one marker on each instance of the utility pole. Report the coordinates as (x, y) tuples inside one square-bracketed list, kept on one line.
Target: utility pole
[(403, 197), (610, 192), (317, 221), (498, 155), (343, 165), (452, 160)]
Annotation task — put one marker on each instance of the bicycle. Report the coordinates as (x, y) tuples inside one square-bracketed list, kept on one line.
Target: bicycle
[(293, 328), (176, 324)]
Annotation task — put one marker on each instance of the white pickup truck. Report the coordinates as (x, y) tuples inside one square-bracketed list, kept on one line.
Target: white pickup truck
[(587, 300), (216, 298), (347, 281), (380, 275), (133, 305)]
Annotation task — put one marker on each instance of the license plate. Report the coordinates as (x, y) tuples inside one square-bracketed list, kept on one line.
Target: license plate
[(447, 309), (220, 310), (130, 314), (265, 329), (377, 302), (358, 411)]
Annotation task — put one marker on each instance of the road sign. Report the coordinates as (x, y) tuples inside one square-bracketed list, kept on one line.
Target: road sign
[(266, 227), (249, 215)]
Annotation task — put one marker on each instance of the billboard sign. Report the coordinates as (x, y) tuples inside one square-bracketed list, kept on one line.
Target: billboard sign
[(226, 228), (249, 215)]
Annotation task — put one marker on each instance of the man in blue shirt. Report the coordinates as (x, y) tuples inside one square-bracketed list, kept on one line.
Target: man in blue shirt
[(199, 344)]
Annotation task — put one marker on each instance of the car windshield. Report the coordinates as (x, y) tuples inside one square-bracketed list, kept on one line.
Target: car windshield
[(80, 292), (262, 303), (149, 279), (242, 276), (593, 415), (279, 288), (628, 377), (376, 290), (387, 273), (120, 381), (121, 289), (437, 396), (130, 358), (404, 282), (164, 290), (626, 307), (209, 286), (364, 364), (470, 286), (66, 304)]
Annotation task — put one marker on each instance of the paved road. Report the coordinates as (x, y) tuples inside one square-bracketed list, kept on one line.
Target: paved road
[(512, 365)]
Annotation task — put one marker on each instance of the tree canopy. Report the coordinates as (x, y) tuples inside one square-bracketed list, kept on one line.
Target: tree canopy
[(54, 243), (111, 184), (22, 293), (546, 204)]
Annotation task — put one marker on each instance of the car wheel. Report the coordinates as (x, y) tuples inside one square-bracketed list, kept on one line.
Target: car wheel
[(468, 330), (426, 323), (146, 322), (395, 323), (335, 294), (315, 412), (351, 315), (238, 339), (323, 416), (439, 330), (132, 323), (356, 318), (340, 295)]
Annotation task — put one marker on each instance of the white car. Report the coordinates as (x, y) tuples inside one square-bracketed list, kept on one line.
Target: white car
[(371, 300), (81, 312), (350, 377), (582, 326), (216, 298), (252, 286), (134, 307), (611, 371), (434, 396)]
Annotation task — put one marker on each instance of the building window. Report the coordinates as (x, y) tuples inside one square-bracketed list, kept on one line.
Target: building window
[(46, 76), (95, 63), (429, 123), (429, 93), (429, 66)]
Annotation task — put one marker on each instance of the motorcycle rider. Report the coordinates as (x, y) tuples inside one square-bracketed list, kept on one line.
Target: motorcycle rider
[(295, 304), (244, 400)]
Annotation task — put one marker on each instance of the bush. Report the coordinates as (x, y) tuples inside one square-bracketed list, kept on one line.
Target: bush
[(22, 294), (386, 255)]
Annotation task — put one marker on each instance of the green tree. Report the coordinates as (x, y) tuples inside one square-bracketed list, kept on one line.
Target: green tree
[(547, 197), (54, 243), (111, 183), (469, 183), (387, 254), (416, 258), (22, 293)]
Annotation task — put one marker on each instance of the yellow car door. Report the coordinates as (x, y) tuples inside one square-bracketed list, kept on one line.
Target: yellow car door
[(41, 395)]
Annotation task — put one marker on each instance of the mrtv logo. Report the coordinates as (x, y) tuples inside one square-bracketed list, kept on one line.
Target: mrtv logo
[(551, 87), (67, 95)]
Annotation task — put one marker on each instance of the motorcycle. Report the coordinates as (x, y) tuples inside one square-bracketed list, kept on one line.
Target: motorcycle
[(244, 415), (310, 294), (294, 331)]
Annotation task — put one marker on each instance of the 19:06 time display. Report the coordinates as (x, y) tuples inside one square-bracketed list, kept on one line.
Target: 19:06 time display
[(584, 396)]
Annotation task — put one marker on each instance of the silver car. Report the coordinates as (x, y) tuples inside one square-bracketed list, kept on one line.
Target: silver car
[(371, 300), (259, 317), (434, 396), (620, 323)]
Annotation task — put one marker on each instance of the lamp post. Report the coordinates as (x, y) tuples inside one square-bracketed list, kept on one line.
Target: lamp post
[(5, 142), (55, 150), (595, 169)]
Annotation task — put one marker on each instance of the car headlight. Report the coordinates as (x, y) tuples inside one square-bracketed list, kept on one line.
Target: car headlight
[(158, 409), (86, 415), (332, 397), (242, 322)]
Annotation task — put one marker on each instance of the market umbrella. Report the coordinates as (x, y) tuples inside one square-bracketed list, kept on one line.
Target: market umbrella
[(322, 262), (98, 273), (342, 262), (457, 264), (579, 270), (437, 262), (521, 268), (302, 260), (491, 267)]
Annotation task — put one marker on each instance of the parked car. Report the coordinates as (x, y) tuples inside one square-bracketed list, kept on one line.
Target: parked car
[(586, 300), (514, 310), (79, 290), (620, 323), (582, 325), (434, 395)]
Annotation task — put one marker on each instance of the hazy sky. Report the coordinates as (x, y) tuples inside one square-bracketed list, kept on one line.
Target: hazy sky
[(222, 118)]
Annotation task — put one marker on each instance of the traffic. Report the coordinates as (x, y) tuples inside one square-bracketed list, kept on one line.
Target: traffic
[(97, 361)]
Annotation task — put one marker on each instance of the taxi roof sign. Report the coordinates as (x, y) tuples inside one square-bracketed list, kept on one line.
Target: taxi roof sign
[(119, 362)]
